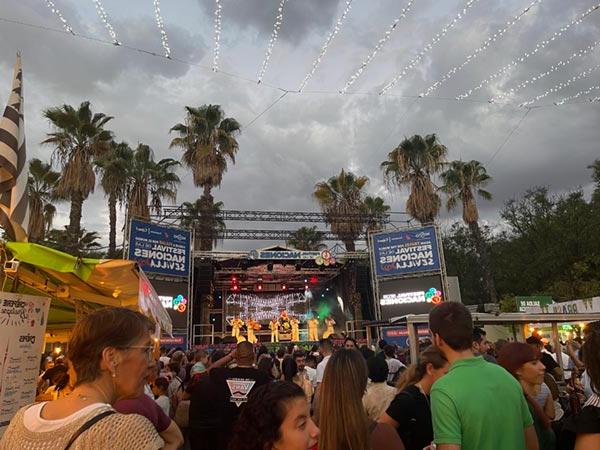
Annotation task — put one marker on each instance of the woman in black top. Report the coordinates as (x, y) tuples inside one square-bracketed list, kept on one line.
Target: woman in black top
[(587, 424), (410, 412)]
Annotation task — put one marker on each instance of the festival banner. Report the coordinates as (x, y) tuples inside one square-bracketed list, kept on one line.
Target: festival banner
[(406, 252), (23, 321), (160, 249)]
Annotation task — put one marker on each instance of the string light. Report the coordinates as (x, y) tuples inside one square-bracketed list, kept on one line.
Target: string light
[(265, 306), (58, 14), (539, 76), (562, 101), (332, 35), (273, 40), (562, 85), (436, 39), (595, 99), (539, 46), (218, 8), (164, 40), (493, 38), (104, 18), (386, 37)]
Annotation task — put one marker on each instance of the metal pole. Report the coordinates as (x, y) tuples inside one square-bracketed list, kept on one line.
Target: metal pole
[(443, 274), (414, 341), (190, 318)]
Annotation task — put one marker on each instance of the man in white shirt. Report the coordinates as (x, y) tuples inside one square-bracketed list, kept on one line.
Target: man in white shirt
[(394, 365), (311, 369), (325, 349)]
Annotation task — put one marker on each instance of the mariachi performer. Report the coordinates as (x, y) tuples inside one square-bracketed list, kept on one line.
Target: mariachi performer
[(252, 326), (313, 329), (236, 326), (274, 327), (295, 323), (329, 324)]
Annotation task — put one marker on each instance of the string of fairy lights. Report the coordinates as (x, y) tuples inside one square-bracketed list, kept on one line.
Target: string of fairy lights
[(58, 14), (160, 23), (479, 50), (436, 39), (272, 41), (525, 56), (217, 38), (380, 44), (540, 76), (562, 85), (104, 18), (581, 93), (505, 95), (332, 34)]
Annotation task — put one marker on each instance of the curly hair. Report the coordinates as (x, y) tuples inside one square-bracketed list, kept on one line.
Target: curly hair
[(259, 431)]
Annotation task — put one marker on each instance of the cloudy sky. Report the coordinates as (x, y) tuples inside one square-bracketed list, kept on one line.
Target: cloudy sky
[(309, 136)]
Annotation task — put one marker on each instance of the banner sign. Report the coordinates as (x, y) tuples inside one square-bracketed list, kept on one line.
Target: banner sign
[(283, 254), (159, 249), (406, 252), (23, 320), (178, 340), (532, 303)]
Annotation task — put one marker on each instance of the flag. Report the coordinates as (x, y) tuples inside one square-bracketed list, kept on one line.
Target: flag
[(14, 199)]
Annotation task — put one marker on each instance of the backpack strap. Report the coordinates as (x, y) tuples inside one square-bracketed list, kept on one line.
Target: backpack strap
[(87, 425)]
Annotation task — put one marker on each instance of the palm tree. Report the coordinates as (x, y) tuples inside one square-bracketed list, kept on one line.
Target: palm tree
[(462, 182), (341, 200), (205, 226), (84, 245), (375, 209), (413, 163), (41, 184), (208, 141), (150, 182), (79, 138), (307, 239), (114, 170), (595, 166)]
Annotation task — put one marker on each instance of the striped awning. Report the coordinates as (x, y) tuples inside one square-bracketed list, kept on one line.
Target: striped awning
[(14, 200)]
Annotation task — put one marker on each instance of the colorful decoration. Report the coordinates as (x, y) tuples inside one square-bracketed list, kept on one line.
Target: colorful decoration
[(434, 296), (180, 303), (325, 259)]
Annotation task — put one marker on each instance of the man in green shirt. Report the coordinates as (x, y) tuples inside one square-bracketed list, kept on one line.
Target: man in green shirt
[(477, 405)]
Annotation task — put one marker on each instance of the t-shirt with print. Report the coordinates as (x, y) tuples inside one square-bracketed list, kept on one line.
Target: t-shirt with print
[(479, 406), (233, 387), (410, 408)]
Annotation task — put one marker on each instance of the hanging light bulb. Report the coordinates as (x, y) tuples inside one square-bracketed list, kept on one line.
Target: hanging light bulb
[(217, 45), (273, 40), (58, 14), (104, 18), (164, 40)]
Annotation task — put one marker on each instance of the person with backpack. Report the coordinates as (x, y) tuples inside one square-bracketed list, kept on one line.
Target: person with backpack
[(410, 411)]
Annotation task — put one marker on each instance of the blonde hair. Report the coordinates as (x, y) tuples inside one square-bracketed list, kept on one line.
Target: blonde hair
[(342, 419), (415, 372)]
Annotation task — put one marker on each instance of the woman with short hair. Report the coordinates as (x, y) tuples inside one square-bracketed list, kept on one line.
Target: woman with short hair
[(342, 419), (110, 351)]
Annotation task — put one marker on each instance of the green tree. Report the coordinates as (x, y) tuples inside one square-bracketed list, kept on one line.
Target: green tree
[(595, 167), (205, 226), (412, 164), (209, 144), (114, 168), (375, 210), (41, 185), (78, 138), (306, 239), (150, 182), (341, 199), (462, 181), (85, 245)]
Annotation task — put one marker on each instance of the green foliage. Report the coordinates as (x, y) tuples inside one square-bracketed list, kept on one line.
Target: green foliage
[(306, 238), (508, 304)]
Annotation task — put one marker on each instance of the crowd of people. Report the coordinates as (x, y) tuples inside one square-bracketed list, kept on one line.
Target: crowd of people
[(115, 391)]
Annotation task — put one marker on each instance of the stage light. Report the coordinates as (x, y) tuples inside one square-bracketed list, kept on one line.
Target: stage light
[(313, 280), (235, 288), (233, 279), (284, 287), (259, 287), (270, 267), (306, 287)]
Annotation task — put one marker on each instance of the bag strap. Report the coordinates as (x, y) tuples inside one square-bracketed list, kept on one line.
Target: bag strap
[(87, 425)]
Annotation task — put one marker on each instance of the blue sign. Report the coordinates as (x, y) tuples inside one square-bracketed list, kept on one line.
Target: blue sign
[(159, 249), (406, 252)]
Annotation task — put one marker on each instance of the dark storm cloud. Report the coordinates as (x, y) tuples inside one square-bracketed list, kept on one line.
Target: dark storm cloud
[(307, 138), (300, 17)]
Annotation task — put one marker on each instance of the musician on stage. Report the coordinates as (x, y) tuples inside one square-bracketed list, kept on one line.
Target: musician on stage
[(236, 325), (274, 327), (313, 329), (295, 323), (252, 326), (329, 324)]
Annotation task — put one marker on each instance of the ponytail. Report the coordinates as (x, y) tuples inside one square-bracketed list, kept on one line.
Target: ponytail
[(415, 372)]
